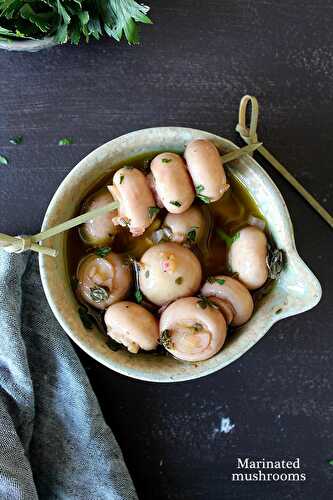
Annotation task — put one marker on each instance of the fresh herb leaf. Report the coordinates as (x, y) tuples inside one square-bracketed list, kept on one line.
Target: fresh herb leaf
[(99, 294), (229, 240), (86, 318), (122, 177), (113, 345), (65, 141), (212, 279), (138, 296), (330, 462), (165, 339), (72, 19), (204, 302), (166, 160), (18, 139), (192, 234), (3, 160), (197, 327), (103, 251), (199, 189), (152, 211), (176, 203), (179, 280)]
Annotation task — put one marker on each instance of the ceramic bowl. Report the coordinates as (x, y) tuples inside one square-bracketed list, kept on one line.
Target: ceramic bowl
[(296, 290)]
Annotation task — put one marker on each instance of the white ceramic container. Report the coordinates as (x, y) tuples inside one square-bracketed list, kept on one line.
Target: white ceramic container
[(296, 291)]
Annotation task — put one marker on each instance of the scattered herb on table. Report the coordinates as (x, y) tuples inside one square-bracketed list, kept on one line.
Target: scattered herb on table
[(3, 160), (65, 141), (330, 462), (199, 190), (152, 211), (103, 251), (71, 20), (18, 139), (176, 203)]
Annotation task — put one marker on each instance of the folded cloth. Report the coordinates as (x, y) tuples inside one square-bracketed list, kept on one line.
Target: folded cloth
[(54, 442)]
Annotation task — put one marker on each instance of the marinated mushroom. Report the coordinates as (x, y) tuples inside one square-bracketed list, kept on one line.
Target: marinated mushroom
[(206, 169), (192, 329), (103, 280), (169, 271), (232, 297), (132, 325), (188, 226), (137, 207), (100, 230), (247, 257), (172, 182)]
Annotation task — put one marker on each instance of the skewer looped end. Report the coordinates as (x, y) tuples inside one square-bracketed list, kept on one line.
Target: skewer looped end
[(248, 134)]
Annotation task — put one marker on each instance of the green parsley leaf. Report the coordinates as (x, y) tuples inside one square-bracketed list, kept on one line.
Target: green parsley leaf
[(176, 203), (166, 160), (152, 211), (18, 139), (65, 141), (330, 462), (199, 189), (204, 302), (229, 240), (103, 251), (212, 279), (3, 160), (192, 233), (122, 177), (179, 280), (138, 296)]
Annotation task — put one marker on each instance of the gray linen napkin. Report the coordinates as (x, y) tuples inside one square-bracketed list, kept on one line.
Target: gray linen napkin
[(54, 442)]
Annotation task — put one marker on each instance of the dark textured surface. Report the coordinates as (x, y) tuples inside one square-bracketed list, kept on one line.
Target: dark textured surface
[(192, 68)]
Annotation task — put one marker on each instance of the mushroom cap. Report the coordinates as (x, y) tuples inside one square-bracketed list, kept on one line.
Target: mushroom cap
[(169, 271), (130, 188), (206, 169), (132, 325), (231, 296), (190, 332), (100, 230), (103, 280), (192, 221), (247, 257), (172, 182)]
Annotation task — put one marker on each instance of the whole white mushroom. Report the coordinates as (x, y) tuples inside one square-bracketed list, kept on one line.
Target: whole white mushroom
[(192, 329), (247, 257), (103, 280), (188, 226), (132, 325), (100, 230), (169, 271), (231, 296)]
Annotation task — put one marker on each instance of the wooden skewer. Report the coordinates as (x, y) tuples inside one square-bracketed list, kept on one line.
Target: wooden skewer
[(249, 135), (237, 153)]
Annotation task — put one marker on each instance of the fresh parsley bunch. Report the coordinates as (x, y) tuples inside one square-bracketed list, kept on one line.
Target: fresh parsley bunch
[(71, 20)]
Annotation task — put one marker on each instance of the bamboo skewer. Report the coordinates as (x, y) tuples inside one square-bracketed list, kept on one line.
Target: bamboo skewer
[(19, 244), (249, 135)]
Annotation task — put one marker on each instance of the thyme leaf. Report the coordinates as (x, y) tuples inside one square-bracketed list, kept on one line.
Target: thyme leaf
[(103, 251)]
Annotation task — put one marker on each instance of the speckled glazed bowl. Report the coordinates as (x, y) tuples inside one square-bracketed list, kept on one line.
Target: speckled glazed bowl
[(296, 290)]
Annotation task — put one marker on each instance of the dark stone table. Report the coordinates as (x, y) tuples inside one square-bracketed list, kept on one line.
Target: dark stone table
[(192, 68)]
